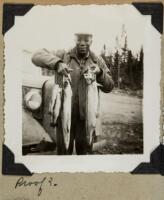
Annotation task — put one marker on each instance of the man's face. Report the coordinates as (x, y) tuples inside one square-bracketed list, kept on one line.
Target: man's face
[(83, 44)]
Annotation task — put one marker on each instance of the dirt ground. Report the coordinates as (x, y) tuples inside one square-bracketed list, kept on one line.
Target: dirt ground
[(122, 126)]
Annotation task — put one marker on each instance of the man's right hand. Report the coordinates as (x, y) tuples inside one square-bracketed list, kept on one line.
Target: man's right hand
[(62, 69)]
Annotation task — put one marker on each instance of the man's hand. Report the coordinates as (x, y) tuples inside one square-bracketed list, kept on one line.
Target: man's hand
[(62, 69), (95, 69)]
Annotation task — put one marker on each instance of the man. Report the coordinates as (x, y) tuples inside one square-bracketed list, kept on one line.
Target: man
[(78, 59)]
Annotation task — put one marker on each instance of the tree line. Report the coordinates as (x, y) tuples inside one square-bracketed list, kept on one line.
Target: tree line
[(126, 68)]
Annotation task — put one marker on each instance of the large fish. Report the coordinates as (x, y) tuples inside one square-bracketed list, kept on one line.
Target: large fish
[(92, 105), (55, 104), (66, 110)]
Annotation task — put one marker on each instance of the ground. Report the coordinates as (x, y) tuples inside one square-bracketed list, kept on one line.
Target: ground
[(122, 126)]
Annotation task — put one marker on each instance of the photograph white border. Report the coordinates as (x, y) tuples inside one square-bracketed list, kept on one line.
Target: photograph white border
[(86, 163)]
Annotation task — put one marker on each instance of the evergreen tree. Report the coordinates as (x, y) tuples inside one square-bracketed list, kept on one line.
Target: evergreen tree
[(126, 68), (141, 57), (125, 50), (116, 68)]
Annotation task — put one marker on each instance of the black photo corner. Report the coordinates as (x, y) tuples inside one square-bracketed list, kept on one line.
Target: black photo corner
[(156, 165)]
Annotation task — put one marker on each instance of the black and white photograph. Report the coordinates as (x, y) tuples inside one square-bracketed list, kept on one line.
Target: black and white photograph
[(84, 82)]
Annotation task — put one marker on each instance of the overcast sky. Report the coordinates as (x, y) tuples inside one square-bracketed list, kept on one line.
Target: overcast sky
[(53, 27)]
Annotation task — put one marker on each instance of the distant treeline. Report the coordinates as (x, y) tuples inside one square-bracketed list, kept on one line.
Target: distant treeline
[(126, 68)]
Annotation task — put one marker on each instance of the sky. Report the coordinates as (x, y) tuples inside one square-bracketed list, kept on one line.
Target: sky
[(53, 27)]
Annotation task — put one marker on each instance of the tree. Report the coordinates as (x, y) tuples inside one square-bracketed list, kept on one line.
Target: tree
[(125, 50), (126, 68), (130, 64), (116, 68), (141, 70)]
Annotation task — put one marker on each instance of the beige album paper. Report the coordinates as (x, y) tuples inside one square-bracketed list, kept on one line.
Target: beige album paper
[(82, 101)]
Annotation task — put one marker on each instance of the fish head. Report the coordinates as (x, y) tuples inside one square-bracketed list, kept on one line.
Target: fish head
[(89, 76), (65, 84), (66, 80)]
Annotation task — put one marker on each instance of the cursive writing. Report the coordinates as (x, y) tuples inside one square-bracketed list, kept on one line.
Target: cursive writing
[(21, 182)]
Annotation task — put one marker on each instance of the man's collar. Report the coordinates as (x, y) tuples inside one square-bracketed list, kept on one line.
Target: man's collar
[(90, 54)]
